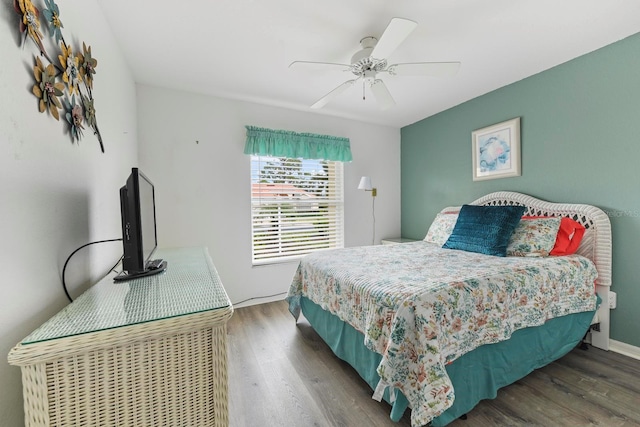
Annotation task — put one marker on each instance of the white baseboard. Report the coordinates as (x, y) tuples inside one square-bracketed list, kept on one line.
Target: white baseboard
[(623, 348)]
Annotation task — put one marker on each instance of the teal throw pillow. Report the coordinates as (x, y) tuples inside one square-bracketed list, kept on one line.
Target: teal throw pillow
[(484, 229)]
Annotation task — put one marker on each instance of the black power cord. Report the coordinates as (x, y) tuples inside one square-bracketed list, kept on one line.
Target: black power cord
[(64, 284)]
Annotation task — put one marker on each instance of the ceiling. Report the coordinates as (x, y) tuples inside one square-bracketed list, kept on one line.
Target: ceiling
[(241, 49)]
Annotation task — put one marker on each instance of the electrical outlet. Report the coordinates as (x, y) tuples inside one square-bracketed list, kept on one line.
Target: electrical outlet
[(613, 300)]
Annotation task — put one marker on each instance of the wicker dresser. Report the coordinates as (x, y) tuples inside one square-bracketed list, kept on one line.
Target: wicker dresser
[(148, 352)]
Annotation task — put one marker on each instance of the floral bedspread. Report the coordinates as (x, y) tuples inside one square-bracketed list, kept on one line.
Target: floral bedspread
[(421, 306)]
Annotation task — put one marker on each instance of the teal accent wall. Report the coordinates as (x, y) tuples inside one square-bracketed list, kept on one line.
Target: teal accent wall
[(580, 141)]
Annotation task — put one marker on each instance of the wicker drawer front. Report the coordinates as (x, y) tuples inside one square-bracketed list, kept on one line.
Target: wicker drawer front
[(179, 380)]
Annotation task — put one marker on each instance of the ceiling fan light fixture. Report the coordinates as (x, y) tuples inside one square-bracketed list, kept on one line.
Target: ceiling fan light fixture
[(369, 76)]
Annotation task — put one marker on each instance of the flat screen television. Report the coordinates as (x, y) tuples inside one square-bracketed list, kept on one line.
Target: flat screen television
[(139, 234)]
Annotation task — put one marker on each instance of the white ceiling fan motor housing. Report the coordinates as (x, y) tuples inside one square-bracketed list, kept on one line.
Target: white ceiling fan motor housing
[(361, 61)]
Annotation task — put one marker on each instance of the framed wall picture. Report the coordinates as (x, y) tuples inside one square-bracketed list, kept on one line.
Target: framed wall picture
[(496, 150)]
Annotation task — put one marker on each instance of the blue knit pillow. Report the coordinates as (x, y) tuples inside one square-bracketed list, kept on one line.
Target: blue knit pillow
[(484, 229)]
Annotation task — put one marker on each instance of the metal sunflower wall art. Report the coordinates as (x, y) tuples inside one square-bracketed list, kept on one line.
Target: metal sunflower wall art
[(64, 85)]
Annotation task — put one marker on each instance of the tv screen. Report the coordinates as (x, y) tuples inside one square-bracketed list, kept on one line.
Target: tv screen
[(147, 216), (139, 235)]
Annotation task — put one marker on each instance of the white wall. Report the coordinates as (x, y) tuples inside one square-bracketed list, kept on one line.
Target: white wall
[(55, 196), (191, 147)]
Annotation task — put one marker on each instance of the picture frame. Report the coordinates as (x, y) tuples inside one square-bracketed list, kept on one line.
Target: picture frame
[(496, 151)]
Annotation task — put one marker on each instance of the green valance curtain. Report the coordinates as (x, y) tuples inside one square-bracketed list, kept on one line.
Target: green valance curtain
[(293, 145)]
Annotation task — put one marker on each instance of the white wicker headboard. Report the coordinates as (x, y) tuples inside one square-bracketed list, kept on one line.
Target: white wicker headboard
[(595, 245)]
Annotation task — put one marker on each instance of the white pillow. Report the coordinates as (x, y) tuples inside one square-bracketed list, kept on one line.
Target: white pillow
[(441, 227)]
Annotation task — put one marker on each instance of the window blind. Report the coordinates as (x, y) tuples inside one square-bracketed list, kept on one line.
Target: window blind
[(297, 207)]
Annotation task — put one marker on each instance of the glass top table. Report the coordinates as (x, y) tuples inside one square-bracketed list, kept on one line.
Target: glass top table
[(189, 285)]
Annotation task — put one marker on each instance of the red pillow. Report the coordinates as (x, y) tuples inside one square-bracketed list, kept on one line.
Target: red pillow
[(568, 238)]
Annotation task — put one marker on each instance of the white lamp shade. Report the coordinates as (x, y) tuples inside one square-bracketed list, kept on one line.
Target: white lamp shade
[(365, 183)]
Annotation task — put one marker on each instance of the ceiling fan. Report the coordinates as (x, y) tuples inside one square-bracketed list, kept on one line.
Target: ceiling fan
[(371, 60)]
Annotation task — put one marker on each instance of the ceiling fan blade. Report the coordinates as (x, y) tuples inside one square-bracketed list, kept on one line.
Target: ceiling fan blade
[(437, 69), (319, 66), (337, 91), (382, 94), (395, 33)]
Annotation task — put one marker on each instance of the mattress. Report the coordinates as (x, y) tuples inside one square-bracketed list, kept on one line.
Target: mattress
[(422, 307)]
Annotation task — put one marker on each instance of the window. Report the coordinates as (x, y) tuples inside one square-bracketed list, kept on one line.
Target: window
[(297, 207)]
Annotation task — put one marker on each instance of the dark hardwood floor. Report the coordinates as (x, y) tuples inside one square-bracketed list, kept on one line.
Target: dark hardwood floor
[(283, 374)]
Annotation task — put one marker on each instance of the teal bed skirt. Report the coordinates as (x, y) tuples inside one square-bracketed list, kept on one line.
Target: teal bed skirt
[(476, 375)]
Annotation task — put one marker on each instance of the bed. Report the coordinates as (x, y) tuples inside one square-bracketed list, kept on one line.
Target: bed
[(438, 330)]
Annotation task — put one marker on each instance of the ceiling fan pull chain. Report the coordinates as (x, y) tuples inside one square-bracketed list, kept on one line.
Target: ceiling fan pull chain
[(363, 92)]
